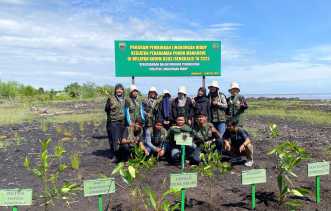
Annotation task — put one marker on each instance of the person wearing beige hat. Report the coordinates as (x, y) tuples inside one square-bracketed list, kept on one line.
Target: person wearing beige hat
[(149, 105), (182, 106), (218, 106), (236, 104), (133, 107)]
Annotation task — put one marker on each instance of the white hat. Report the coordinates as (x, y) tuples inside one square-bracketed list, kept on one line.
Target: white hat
[(214, 84), (234, 85), (152, 89), (166, 91), (182, 89), (133, 88)]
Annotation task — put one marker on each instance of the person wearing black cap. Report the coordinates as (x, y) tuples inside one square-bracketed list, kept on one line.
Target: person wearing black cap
[(115, 120)]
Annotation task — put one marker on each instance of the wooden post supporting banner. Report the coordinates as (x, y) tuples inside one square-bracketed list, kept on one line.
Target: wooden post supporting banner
[(204, 81), (133, 80)]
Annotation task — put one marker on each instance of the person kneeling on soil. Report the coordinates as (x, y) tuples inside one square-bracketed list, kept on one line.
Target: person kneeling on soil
[(237, 142), (156, 140), (205, 133), (132, 136), (175, 150)]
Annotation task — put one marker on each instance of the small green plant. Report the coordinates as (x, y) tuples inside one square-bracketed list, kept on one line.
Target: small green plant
[(140, 160), (48, 171), (210, 165), (161, 202), (273, 130), (75, 161), (289, 155)]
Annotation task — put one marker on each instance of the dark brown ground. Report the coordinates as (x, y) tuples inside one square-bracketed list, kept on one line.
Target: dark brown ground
[(228, 193)]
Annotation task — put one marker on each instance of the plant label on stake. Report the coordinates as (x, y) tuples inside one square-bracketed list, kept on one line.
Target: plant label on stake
[(183, 139), (15, 197), (253, 177), (316, 170), (184, 180), (98, 188)]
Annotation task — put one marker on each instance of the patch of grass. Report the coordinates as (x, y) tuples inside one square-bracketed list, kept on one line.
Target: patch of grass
[(15, 113), (309, 116), (88, 117)]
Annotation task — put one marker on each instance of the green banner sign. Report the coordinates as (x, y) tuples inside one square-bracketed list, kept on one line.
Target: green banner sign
[(99, 186), (184, 180), (15, 197), (183, 139), (318, 168), (167, 58), (253, 176)]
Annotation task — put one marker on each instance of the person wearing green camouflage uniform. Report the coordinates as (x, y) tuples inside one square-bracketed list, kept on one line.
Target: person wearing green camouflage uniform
[(205, 132), (149, 105), (133, 107), (218, 106), (115, 120), (236, 104), (132, 136), (156, 140)]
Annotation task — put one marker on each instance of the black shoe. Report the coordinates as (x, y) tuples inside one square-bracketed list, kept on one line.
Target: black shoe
[(114, 159)]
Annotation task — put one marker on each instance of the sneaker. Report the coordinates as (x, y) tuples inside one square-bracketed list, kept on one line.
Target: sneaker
[(249, 163)]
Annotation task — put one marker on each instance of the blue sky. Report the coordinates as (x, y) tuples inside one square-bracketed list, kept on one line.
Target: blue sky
[(268, 46)]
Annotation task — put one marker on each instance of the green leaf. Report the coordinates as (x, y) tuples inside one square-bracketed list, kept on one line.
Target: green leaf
[(117, 168), (36, 172), (62, 167), (44, 144), (59, 151), (26, 163), (296, 192), (132, 171), (293, 204), (44, 160), (75, 161), (152, 198)]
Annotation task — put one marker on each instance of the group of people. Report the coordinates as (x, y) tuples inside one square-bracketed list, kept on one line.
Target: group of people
[(153, 122)]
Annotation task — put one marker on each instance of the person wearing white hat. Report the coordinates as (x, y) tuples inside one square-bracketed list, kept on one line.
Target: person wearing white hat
[(133, 107), (163, 110), (236, 104), (149, 105), (182, 105), (218, 106)]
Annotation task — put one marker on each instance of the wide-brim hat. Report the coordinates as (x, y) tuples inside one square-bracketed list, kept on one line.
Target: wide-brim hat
[(214, 84), (133, 88), (182, 89), (166, 91), (234, 85), (152, 89)]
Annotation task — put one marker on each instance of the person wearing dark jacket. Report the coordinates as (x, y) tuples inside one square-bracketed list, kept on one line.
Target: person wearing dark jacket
[(115, 120), (164, 114), (201, 104), (182, 106)]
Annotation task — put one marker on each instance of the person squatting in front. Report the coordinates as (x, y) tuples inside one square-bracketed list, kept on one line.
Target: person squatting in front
[(237, 143)]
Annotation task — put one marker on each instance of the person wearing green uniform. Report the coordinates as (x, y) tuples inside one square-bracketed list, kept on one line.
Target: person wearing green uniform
[(236, 104), (218, 106), (156, 140), (205, 132), (115, 120), (149, 105), (132, 136), (175, 150), (133, 107)]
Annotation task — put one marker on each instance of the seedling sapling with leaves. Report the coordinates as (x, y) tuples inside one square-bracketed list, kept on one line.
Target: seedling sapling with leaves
[(48, 170), (289, 155), (210, 164)]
